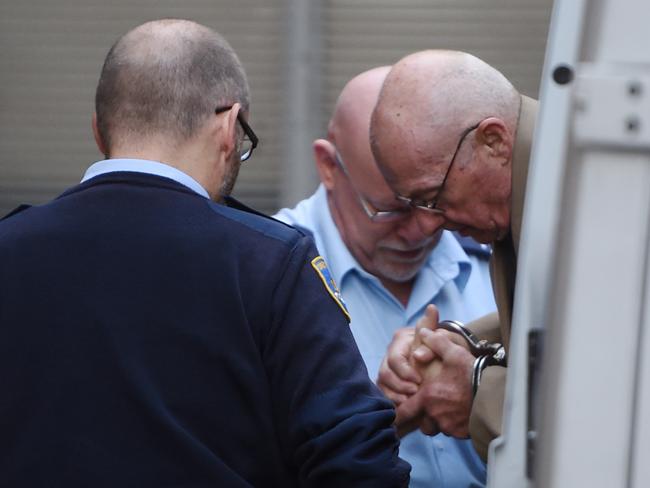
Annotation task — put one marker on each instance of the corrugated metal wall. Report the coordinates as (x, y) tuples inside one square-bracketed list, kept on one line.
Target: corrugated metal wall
[(508, 34), (52, 51), (51, 56)]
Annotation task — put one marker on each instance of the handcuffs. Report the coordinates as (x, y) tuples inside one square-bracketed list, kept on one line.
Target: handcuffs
[(486, 353)]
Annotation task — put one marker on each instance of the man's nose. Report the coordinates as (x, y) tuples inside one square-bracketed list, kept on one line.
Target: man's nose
[(428, 222), (412, 231), (409, 229)]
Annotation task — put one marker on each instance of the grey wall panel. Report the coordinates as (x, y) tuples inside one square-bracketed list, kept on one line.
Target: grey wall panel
[(50, 60), (509, 34)]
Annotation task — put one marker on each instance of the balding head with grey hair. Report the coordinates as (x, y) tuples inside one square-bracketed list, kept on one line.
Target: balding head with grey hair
[(390, 247), (164, 79)]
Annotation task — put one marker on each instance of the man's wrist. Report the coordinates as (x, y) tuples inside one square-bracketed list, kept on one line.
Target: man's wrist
[(485, 353)]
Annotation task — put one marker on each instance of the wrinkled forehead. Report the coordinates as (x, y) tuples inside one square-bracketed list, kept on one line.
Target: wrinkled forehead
[(412, 180), (410, 160)]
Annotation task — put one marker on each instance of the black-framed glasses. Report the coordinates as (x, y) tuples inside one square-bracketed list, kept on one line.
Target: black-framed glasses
[(371, 211), (250, 139), (432, 205)]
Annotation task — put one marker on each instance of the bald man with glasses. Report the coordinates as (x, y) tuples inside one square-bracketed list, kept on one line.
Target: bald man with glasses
[(436, 98), (388, 270)]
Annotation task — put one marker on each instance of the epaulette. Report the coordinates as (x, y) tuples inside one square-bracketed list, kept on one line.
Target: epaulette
[(470, 246), (302, 229), (237, 205), (16, 211)]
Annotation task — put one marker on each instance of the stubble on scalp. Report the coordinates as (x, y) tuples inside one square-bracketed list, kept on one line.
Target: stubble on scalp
[(164, 79)]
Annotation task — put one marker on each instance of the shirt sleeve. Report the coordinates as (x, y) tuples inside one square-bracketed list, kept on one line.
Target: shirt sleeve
[(487, 328), (334, 425)]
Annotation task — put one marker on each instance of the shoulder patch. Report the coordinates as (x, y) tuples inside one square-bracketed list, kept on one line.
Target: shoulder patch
[(319, 264), (256, 222)]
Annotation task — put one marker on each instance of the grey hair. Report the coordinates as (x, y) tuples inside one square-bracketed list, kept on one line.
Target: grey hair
[(166, 78)]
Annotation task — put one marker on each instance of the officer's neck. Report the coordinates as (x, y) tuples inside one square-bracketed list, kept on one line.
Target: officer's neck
[(195, 159)]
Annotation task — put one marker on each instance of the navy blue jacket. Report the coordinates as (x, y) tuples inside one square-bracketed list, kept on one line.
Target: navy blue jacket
[(150, 337)]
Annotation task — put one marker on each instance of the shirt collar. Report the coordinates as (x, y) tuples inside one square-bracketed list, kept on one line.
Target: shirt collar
[(144, 166), (450, 261)]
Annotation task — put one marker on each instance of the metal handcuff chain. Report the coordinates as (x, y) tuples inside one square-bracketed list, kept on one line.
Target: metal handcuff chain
[(486, 353)]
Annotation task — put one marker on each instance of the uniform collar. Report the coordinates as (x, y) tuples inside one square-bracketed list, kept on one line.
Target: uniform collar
[(144, 166)]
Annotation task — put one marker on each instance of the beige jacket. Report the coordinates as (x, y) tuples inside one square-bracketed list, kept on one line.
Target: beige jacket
[(486, 416)]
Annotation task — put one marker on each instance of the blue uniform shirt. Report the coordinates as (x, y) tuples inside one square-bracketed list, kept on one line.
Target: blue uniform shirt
[(458, 283)]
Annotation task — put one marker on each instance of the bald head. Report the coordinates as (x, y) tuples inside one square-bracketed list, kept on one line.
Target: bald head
[(390, 247), (442, 134), (439, 92), (163, 79), (350, 122)]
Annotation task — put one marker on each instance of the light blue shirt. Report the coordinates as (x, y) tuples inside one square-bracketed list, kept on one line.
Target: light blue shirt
[(458, 284), (144, 166)]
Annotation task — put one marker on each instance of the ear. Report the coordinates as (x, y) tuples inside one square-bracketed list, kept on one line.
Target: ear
[(227, 128), (495, 138), (325, 157), (98, 138)]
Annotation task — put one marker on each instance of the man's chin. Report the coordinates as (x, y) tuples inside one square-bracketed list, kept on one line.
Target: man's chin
[(406, 257), (393, 256), (399, 272)]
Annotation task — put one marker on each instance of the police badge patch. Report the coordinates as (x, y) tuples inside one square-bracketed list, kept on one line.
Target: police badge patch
[(319, 264)]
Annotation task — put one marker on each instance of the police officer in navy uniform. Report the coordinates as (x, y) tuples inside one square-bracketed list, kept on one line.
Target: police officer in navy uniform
[(150, 336)]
